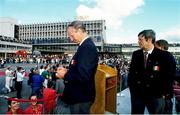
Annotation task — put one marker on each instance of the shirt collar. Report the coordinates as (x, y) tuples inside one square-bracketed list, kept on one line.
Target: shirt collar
[(150, 51), (83, 40)]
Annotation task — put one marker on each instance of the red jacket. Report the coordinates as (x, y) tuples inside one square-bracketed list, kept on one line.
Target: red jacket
[(30, 109), (49, 96), (19, 111)]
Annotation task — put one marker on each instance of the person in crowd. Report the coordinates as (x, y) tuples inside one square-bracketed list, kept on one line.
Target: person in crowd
[(79, 79), (37, 83), (163, 45), (53, 75), (30, 76), (149, 76), (9, 79), (49, 95), (46, 75), (13, 107), (2, 63), (29, 82), (124, 75), (34, 107), (20, 75), (41, 69)]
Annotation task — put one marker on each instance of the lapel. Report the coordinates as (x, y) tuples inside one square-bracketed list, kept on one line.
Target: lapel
[(141, 58), (85, 41), (74, 60)]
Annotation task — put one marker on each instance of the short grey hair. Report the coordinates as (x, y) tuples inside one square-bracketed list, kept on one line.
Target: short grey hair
[(77, 25)]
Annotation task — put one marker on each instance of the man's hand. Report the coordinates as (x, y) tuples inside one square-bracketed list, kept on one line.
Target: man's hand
[(61, 71)]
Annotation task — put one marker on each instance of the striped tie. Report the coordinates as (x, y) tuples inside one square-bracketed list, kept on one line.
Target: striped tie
[(145, 58)]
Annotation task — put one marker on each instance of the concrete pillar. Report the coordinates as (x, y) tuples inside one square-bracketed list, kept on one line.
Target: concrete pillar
[(5, 56)]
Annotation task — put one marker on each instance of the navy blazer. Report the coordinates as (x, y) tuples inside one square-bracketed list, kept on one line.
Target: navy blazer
[(156, 79), (80, 79)]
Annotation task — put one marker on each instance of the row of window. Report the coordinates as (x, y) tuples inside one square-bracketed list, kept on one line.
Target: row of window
[(55, 34), (59, 25), (56, 48), (56, 40), (50, 40), (12, 47)]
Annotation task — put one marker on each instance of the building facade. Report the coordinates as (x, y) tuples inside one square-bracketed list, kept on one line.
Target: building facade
[(50, 38), (9, 39), (53, 38), (8, 27)]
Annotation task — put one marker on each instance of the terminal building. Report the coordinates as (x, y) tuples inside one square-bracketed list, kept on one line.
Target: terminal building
[(52, 37)]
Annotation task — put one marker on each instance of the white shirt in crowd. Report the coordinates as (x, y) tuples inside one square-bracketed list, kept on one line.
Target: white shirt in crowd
[(20, 76)]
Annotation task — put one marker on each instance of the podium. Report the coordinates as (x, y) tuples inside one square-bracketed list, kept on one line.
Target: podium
[(106, 90)]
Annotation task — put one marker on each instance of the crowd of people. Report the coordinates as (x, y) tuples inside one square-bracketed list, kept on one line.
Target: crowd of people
[(43, 85)]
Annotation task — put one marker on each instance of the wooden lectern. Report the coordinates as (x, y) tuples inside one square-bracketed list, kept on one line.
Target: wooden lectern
[(106, 90)]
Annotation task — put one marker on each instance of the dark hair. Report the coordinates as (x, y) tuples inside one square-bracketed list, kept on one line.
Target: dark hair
[(78, 25), (50, 84), (33, 94), (148, 34), (31, 70), (9, 102), (41, 67), (163, 44), (19, 68), (54, 67)]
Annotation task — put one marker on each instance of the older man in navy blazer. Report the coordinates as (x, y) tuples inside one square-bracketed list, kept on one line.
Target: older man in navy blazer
[(150, 76), (79, 80)]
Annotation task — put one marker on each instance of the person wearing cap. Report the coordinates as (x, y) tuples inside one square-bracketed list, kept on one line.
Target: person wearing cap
[(79, 79)]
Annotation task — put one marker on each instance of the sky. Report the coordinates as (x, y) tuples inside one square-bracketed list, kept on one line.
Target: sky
[(124, 18)]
